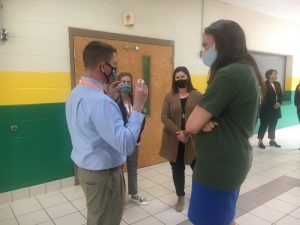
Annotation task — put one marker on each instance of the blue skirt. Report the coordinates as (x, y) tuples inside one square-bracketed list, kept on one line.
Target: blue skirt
[(210, 206)]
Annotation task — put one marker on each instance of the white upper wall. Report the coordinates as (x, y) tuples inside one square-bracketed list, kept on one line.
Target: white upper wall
[(39, 39), (38, 29), (263, 33)]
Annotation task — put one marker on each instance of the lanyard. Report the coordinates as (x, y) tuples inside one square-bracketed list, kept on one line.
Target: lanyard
[(128, 108), (84, 82)]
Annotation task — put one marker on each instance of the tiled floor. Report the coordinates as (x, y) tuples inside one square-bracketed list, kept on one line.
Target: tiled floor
[(270, 194)]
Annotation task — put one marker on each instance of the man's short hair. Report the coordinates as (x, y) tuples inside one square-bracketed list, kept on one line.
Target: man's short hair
[(97, 51)]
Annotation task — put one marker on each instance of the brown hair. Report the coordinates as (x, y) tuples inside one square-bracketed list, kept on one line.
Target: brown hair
[(126, 74), (183, 69), (97, 51)]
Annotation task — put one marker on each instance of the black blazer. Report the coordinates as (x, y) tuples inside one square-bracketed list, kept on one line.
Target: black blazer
[(124, 115), (297, 96), (267, 110)]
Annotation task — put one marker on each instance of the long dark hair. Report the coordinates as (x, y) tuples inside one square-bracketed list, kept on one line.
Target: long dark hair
[(126, 74), (230, 42), (183, 69), (269, 73)]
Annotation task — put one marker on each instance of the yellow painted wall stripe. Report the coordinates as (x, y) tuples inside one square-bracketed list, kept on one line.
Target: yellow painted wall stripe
[(199, 81), (33, 87), (52, 87)]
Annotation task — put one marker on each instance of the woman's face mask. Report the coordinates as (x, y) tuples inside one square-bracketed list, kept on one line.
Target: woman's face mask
[(210, 56), (125, 88)]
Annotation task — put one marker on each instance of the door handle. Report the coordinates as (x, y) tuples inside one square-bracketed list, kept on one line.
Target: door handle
[(14, 128)]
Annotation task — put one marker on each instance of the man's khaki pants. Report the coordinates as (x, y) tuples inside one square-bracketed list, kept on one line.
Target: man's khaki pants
[(105, 195)]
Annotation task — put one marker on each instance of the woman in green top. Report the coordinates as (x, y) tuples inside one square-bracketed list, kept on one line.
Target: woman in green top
[(223, 121)]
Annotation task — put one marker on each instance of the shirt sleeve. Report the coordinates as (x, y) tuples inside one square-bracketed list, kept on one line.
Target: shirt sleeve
[(107, 119), (220, 92)]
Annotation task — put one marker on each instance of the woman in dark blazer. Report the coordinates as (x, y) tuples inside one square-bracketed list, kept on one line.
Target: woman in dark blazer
[(270, 109), (297, 101), (177, 146)]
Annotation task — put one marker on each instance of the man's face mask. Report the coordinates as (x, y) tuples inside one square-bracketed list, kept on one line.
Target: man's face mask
[(110, 77)]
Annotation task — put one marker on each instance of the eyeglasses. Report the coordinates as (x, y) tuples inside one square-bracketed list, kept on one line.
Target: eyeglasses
[(113, 69)]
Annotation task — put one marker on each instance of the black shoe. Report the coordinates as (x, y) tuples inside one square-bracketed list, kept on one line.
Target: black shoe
[(274, 144), (261, 145)]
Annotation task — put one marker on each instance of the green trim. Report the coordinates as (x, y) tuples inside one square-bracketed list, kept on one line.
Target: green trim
[(146, 62), (38, 151)]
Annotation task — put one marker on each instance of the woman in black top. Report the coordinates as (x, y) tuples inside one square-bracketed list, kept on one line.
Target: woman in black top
[(270, 109)]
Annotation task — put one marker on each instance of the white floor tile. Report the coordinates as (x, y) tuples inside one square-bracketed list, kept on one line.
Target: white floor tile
[(52, 199), (6, 213), (67, 182), (47, 223), (146, 172), (74, 219), (134, 214), (158, 191), (288, 220), (33, 218), (159, 179), (146, 183), (280, 205), (11, 221), (296, 214), (25, 206), (37, 190), (5, 197), (80, 203), (249, 219), (73, 193), (20, 194), (155, 206), (289, 198), (170, 217), (267, 214), (60, 210), (149, 221), (169, 199), (84, 213), (52, 186)]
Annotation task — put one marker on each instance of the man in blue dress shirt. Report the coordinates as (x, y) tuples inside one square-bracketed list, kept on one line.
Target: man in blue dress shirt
[(100, 140)]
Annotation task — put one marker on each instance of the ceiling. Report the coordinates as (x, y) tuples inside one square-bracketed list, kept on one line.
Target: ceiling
[(284, 9)]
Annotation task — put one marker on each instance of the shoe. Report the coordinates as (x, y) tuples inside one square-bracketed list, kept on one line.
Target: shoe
[(139, 199), (261, 145), (274, 144), (180, 204)]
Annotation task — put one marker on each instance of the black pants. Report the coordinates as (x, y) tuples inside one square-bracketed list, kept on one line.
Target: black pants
[(178, 169), (264, 124), (298, 112)]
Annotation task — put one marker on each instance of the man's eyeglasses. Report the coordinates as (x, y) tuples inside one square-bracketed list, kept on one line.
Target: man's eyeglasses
[(113, 69)]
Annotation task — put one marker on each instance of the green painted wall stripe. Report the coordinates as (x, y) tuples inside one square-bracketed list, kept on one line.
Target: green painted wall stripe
[(38, 151)]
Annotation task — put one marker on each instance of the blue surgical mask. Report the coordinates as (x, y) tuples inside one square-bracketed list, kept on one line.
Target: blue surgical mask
[(125, 88), (210, 56)]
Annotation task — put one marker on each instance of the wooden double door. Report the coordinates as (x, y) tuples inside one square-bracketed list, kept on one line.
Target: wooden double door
[(131, 57)]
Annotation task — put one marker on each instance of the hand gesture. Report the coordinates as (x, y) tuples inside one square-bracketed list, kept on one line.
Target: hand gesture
[(209, 126), (140, 95), (113, 90), (181, 136), (276, 106)]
